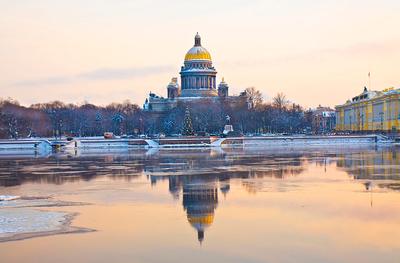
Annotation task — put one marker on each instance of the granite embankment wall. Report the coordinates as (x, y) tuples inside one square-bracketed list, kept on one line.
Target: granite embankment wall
[(311, 140), (101, 143)]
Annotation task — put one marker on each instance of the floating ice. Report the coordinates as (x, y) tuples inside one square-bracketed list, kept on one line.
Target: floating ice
[(21, 218), (8, 197), (26, 220)]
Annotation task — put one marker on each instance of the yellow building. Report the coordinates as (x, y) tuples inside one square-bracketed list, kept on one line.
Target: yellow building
[(371, 111)]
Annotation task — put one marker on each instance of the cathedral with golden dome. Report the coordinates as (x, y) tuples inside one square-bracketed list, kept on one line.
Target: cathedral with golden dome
[(198, 81)]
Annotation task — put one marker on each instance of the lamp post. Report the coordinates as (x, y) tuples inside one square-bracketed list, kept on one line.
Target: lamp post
[(350, 124), (362, 123), (60, 128), (141, 129), (381, 115)]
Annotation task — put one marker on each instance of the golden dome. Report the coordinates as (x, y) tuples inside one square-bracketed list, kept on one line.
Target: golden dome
[(204, 220), (197, 52), (201, 221)]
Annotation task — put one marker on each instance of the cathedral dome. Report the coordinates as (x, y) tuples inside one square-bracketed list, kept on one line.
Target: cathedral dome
[(197, 52), (201, 221)]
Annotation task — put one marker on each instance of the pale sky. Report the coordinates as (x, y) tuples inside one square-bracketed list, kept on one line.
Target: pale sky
[(102, 51)]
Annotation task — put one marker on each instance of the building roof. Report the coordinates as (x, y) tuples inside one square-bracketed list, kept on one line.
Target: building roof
[(368, 95), (197, 52)]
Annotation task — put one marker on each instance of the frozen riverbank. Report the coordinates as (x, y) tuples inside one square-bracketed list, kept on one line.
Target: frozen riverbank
[(21, 218)]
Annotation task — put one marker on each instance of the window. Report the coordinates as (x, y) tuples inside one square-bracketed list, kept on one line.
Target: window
[(377, 112)]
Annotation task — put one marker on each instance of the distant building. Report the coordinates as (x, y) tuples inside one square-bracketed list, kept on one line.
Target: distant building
[(323, 120), (198, 81), (371, 111)]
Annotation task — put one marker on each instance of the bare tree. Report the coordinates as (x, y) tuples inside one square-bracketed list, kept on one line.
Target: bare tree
[(208, 115), (254, 97), (280, 101)]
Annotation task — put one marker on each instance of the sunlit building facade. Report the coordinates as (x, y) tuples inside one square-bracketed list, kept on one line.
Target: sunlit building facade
[(371, 111)]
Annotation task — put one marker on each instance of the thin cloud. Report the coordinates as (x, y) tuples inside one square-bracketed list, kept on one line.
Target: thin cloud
[(123, 73), (98, 74), (359, 49), (41, 82), (365, 48)]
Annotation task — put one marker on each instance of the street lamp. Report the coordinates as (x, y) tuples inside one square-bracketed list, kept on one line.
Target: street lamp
[(381, 115), (350, 123), (61, 124), (141, 126)]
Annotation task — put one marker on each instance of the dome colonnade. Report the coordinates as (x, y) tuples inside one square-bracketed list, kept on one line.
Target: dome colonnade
[(198, 76)]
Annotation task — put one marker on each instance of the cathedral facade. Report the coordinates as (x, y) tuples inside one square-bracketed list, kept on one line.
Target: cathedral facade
[(198, 81)]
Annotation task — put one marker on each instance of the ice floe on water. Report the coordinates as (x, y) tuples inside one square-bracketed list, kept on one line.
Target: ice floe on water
[(16, 221), (20, 218), (8, 197)]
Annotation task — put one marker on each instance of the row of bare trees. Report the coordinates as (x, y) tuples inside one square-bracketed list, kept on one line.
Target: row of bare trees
[(250, 115), (57, 119)]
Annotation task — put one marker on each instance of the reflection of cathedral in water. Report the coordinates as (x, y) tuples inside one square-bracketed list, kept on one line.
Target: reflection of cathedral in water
[(200, 198), (201, 176)]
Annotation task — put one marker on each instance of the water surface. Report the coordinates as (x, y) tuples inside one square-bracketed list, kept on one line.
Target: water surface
[(238, 205)]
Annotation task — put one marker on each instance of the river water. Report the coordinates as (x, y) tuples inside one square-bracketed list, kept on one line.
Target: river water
[(206, 205)]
